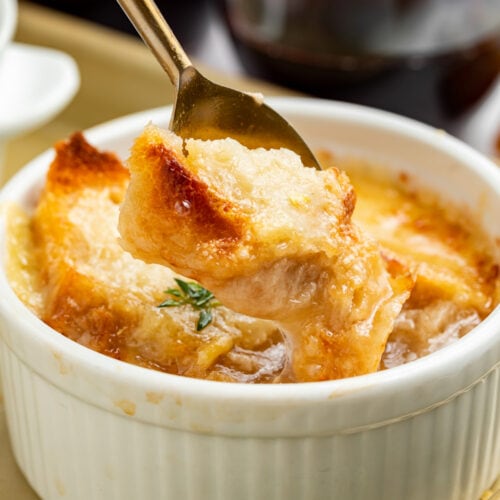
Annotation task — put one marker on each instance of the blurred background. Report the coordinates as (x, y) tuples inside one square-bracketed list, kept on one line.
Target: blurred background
[(432, 60)]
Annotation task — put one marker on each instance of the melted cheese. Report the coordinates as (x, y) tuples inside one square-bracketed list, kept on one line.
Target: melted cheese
[(271, 239), (457, 277), (67, 265)]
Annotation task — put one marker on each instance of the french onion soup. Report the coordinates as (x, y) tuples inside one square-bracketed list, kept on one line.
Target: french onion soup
[(210, 260)]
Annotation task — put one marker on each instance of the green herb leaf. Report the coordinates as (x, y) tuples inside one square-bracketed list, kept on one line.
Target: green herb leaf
[(204, 319), (193, 294), (183, 285), (170, 303), (204, 300)]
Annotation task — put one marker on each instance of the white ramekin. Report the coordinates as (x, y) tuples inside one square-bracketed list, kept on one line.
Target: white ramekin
[(86, 426)]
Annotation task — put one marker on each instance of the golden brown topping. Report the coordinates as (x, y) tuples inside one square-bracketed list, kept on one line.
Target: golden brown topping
[(78, 164), (259, 227), (297, 258), (96, 294)]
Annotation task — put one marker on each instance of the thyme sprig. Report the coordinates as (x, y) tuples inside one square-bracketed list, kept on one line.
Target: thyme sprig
[(193, 294)]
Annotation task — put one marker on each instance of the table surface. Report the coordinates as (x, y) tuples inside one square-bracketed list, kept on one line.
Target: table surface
[(118, 76)]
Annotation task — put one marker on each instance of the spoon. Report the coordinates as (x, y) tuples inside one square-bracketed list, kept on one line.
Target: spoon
[(203, 109)]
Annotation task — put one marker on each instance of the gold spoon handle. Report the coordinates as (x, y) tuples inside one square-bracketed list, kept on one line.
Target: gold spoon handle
[(157, 35)]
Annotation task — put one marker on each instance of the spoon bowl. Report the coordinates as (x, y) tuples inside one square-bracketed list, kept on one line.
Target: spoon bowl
[(206, 110)]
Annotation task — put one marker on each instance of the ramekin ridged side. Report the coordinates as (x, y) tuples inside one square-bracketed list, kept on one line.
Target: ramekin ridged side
[(68, 448)]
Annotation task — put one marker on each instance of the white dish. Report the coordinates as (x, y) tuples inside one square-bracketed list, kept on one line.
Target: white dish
[(481, 126), (36, 83), (87, 426)]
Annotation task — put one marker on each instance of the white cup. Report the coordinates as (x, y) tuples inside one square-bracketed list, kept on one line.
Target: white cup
[(35, 82)]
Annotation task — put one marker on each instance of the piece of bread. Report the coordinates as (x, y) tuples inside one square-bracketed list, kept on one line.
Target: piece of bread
[(456, 272), (100, 296), (272, 239)]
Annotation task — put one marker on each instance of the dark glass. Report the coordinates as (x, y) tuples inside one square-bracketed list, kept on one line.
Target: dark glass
[(187, 18), (427, 59)]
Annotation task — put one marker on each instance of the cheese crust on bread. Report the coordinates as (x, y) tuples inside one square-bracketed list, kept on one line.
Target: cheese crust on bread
[(272, 239), (97, 294)]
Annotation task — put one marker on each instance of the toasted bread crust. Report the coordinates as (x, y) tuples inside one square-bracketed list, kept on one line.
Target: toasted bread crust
[(77, 164), (272, 239), (98, 295), (180, 192), (74, 303)]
